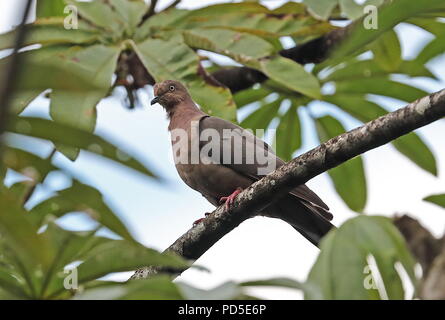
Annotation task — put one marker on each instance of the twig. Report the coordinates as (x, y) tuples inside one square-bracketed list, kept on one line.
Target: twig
[(31, 190), (328, 155), (12, 70)]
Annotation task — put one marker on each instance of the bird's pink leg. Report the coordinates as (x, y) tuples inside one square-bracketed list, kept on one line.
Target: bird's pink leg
[(229, 200), (201, 219)]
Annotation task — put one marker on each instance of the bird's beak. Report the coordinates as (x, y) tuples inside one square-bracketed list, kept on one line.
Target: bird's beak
[(154, 101)]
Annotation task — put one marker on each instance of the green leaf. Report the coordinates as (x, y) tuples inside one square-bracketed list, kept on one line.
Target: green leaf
[(249, 96), (154, 288), (388, 17), (383, 87), (342, 270), (68, 247), (226, 291), (321, 8), (438, 199), (284, 283), (26, 163), (50, 8), (100, 14), (122, 255), (242, 47), (131, 12), (49, 61), (78, 109), (83, 198), (387, 51), (261, 118), (433, 49), (291, 75), (349, 178), (48, 35), (410, 145), (63, 134), (289, 20), (174, 60), (413, 147), (12, 285), (25, 249), (359, 69), (288, 134)]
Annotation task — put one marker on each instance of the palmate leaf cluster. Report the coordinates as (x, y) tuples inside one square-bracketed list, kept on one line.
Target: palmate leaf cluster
[(76, 69)]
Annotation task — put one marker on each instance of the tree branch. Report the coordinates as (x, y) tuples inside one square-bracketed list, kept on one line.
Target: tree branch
[(328, 155)]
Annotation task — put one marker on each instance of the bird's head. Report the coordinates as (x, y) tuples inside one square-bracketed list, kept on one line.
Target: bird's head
[(169, 93)]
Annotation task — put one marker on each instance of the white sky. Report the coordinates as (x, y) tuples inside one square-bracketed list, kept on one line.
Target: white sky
[(262, 247)]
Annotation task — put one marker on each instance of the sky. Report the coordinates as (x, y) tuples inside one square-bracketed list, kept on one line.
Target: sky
[(157, 214)]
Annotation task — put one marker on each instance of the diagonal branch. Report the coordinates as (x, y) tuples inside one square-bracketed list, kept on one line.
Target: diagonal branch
[(328, 155)]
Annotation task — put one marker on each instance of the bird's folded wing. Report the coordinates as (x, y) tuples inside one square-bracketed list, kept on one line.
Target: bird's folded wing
[(236, 146)]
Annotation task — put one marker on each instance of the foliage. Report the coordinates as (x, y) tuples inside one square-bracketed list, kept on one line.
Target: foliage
[(83, 66)]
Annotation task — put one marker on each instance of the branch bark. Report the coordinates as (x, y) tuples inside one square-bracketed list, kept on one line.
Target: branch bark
[(328, 155), (429, 251)]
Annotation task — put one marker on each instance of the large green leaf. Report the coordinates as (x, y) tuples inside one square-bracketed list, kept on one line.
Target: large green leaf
[(289, 20), (131, 12), (50, 8), (225, 291), (100, 14), (413, 147), (83, 198), (291, 75), (349, 178), (320, 8), (242, 47), (252, 51), (250, 95), (173, 59), (388, 51), (78, 109), (410, 145), (438, 199), (63, 134), (48, 35), (26, 163), (342, 267), (28, 252), (154, 288), (389, 16), (288, 134), (359, 69), (261, 118), (122, 255), (381, 86), (49, 61)]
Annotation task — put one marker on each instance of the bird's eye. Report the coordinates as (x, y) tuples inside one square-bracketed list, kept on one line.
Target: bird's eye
[(172, 88)]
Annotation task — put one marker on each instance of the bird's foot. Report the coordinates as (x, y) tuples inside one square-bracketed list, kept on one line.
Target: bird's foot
[(201, 219), (229, 200)]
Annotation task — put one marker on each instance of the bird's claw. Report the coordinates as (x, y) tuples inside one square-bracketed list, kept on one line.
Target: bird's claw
[(230, 199), (201, 219)]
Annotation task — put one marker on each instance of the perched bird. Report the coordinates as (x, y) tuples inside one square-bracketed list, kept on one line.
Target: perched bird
[(220, 172)]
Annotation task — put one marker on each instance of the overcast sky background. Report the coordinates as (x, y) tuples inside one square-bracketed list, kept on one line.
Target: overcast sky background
[(261, 247)]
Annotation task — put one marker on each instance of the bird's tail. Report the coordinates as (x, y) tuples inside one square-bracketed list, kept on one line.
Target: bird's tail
[(304, 217)]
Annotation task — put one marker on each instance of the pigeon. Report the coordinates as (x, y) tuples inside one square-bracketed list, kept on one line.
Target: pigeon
[(209, 157)]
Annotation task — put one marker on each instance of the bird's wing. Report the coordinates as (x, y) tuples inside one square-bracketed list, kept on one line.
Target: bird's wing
[(240, 139)]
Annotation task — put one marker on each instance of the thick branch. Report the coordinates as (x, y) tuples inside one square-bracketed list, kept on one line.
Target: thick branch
[(303, 168)]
